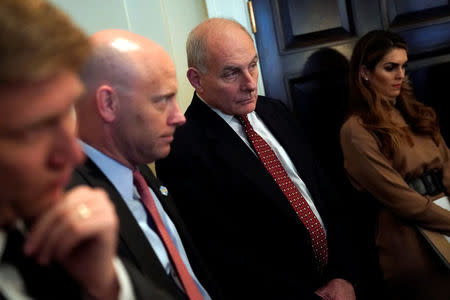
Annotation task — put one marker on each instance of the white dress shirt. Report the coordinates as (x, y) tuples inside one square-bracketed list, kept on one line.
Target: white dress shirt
[(260, 128), (122, 179)]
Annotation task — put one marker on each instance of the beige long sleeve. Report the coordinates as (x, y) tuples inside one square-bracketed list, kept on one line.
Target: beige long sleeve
[(369, 170)]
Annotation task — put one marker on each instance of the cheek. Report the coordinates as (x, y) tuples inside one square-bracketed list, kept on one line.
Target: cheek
[(146, 121), (13, 162), (20, 183), (380, 83), (25, 163)]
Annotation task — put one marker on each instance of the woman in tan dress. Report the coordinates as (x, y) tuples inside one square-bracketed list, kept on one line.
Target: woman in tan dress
[(393, 150)]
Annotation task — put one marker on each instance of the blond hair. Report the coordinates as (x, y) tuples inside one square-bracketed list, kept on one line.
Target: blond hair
[(38, 41)]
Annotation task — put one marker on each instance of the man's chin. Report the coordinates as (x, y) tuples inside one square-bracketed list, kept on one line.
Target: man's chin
[(46, 202), (162, 153), (247, 109)]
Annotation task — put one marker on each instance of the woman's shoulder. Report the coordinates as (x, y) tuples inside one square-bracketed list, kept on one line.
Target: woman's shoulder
[(354, 130), (355, 134), (351, 124)]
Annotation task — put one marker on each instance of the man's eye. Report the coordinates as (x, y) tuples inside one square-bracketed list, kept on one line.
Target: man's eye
[(30, 135), (230, 74), (162, 100)]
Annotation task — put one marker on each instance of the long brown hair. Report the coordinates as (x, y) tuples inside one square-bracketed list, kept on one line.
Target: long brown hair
[(373, 108)]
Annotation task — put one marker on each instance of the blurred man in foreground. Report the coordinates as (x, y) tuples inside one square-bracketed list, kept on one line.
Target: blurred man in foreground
[(53, 245)]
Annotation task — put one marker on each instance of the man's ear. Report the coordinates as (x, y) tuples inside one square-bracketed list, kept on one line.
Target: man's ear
[(107, 102), (364, 72), (194, 77)]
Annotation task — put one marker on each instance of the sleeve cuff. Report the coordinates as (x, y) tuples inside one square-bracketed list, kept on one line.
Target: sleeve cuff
[(126, 288)]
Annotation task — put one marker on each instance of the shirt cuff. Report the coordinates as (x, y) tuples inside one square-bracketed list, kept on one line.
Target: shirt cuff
[(126, 288)]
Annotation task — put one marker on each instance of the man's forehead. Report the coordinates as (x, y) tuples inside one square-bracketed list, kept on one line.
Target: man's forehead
[(236, 63), (26, 103), (228, 50)]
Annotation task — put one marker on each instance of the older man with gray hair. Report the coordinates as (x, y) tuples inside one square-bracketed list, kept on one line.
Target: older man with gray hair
[(246, 183)]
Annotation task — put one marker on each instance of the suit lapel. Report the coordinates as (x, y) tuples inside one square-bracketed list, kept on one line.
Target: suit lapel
[(163, 195), (230, 148), (131, 235), (196, 262)]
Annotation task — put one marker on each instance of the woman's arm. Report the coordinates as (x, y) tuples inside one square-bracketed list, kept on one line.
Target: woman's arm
[(370, 170)]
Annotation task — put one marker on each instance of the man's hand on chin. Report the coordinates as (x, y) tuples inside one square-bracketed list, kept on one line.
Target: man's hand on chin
[(79, 233)]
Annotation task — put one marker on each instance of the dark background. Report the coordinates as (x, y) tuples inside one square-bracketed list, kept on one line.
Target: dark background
[(289, 31)]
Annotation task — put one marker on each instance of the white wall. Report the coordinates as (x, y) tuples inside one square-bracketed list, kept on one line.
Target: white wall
[(166, 22)]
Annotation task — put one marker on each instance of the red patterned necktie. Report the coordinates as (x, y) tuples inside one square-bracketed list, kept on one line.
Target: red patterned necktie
[(186, 279), (298, 202)]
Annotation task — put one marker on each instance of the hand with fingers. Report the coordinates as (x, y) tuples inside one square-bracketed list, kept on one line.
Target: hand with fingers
[(80, 233)]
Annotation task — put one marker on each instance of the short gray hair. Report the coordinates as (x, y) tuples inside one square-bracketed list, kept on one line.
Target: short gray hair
[(196, 44)]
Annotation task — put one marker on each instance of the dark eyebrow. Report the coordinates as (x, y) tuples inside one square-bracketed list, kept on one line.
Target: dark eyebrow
[(394, 64), (230, 68), (234, 68)]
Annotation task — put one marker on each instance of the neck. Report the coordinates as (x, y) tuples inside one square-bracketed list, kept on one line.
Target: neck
[(393, 101), (109, 150)]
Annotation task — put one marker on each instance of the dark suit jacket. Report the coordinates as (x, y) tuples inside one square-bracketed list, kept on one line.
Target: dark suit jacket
[(242, 224), (53, 283), (133, 245)]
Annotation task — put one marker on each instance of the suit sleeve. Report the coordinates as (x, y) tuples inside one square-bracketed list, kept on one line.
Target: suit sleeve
[(142, 287), (368, 168)]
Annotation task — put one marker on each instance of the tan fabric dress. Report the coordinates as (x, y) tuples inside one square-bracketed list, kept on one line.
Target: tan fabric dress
[(409, 267)]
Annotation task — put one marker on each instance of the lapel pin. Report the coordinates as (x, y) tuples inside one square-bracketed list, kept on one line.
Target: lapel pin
[(163, 190)]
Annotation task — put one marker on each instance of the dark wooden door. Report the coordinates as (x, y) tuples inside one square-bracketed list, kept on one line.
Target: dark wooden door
[(290, 31)]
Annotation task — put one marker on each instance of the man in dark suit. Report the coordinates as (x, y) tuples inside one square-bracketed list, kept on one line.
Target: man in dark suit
[(53, 245), (257, 244), (127, 119)]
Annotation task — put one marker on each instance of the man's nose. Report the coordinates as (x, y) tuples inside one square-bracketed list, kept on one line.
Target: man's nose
[(176, 117), (250, 81)]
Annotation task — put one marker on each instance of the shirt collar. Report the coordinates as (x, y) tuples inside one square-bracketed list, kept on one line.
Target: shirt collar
[(119, 175), (2, 242), (227, 118), (20, 225)]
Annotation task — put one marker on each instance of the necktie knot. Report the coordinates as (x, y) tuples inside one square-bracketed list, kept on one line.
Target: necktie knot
[(139, 182)]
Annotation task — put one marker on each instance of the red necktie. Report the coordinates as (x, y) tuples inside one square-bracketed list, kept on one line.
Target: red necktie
[(298, 202), (186, 279)]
